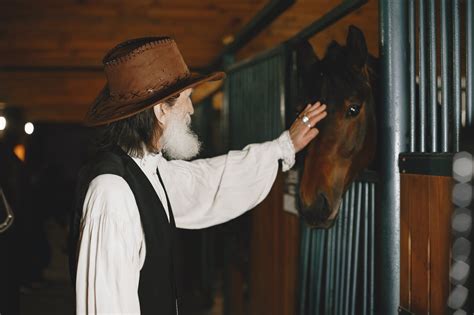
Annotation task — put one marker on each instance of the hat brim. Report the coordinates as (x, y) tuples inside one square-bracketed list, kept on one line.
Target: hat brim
[(106, 109)]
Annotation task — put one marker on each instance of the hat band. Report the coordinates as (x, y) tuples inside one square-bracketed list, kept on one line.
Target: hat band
[(130, 95)]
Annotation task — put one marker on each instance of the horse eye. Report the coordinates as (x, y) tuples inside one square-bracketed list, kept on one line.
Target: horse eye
[(353, 110)]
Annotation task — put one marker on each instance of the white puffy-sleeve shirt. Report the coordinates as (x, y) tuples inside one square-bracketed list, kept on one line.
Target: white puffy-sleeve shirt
[(202, 193)]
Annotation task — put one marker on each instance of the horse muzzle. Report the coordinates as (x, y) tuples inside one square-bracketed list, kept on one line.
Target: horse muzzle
[(320, 214)]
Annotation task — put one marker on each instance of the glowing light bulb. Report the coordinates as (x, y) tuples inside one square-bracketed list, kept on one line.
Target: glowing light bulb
[(29, 128), (3, 123)]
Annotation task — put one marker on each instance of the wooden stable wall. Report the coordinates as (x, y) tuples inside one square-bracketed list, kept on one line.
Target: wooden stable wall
[(274, 256), (426, 210)]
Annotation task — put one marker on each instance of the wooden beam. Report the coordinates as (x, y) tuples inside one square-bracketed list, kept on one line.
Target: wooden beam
[(50, 95), (304, 13), (80, 34)]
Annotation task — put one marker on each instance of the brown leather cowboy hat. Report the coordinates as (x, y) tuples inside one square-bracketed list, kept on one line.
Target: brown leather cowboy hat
[(141, 73)]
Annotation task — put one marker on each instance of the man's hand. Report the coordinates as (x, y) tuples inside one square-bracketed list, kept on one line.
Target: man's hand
[(303, 130)]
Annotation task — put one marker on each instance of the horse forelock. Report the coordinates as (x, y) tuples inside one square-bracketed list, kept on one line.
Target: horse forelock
[(335, 81), (339, 81)]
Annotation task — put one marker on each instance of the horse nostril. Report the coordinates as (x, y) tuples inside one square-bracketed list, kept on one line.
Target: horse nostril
[(318, 214), (322, 206)]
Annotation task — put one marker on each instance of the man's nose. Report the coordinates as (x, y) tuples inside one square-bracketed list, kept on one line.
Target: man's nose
[(190, 107)]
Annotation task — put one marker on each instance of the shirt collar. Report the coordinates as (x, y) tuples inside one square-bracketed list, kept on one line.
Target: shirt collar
[(149, 162)]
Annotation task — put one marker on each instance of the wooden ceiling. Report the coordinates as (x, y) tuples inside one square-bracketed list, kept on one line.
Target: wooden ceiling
[(51, 50)]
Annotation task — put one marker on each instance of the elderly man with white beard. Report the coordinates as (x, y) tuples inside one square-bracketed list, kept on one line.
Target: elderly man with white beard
[(139, 187)]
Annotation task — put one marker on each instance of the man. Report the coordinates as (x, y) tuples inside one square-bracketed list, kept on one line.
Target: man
[(131, 198)]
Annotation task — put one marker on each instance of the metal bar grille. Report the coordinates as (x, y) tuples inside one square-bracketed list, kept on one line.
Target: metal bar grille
[(355, 270), (469, 62), (456, 75), (372, 248), (432, 77), (255, 102), (445, 72), (444, 107), (422, 75), (412, 66), (338, 264), (346, 252)]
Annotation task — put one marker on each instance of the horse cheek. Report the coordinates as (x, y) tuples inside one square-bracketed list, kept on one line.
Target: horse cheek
[(312, 176)]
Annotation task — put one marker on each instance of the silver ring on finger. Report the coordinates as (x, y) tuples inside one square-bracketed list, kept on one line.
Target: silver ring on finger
[(305, 119)]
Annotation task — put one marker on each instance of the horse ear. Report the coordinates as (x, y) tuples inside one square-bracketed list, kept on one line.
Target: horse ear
[(357, 46), (305, 54)]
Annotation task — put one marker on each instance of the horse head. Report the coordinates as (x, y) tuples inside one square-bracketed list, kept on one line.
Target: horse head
[(346, 141)]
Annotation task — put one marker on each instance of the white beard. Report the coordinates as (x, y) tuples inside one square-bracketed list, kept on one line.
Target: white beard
[(178, 141)]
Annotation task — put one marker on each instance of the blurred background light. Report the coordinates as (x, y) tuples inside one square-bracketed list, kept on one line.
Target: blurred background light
[(459, 272), (3, 123), (458, 297), (461, 222), (462, 194), (461, 249), (462, 167), (29, 128), (20, 152)]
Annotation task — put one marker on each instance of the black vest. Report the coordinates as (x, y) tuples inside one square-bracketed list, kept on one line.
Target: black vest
[(157, 290)]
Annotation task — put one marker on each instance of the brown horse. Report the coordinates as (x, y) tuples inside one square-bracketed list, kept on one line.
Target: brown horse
[(346, 143)]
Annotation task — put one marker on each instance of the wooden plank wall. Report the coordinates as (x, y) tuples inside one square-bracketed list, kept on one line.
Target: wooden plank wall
[(304, 12), (274, 256), (426, 210)]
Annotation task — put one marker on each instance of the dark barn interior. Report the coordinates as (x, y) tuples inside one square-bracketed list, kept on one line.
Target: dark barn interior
[(397, 229)]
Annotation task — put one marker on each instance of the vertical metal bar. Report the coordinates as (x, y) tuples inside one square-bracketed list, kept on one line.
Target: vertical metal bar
[(332, 275), (372, 249), (332, 299), (469, 63), (422, 76), (313, 270), (338, 255), (305, 246), (329, 266), (345, 241), (224, 144), (393, 124), (445, 74), (342, 251), (350, 255), (412, 65), (284, 72), (355, 269), (320, 258), (456, 75), (365, 270), (433, 78), (225, 122)]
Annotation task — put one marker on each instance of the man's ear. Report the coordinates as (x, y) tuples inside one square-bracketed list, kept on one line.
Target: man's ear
[(161, 111)]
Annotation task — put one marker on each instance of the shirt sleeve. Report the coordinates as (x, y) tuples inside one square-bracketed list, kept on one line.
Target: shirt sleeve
[(108, 263), (211, 191)]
